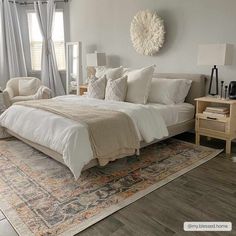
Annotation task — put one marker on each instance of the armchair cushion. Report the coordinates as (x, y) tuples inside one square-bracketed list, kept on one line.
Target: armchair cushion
[(42, 93), (22, 98), (27, 87)]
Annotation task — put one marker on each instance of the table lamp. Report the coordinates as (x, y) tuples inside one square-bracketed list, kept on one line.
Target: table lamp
[(215, 55)]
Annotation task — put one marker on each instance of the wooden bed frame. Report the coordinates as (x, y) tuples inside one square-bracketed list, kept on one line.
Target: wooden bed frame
[(197, 90)]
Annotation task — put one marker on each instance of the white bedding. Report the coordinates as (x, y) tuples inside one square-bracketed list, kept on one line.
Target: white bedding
[(174, 114), (70, 138)]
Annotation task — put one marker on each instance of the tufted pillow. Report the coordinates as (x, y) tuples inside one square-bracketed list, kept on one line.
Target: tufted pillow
[(116, 89), (28, 87), (110, 73), (96, 88), (139, 82)]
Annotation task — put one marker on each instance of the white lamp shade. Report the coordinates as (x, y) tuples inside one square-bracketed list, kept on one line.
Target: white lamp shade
[(215, 54), (96, 59)]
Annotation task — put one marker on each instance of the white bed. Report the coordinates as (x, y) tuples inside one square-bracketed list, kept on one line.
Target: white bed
[(68, 141)]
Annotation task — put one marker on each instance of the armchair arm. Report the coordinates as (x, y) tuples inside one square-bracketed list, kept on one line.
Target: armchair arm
[(8, 94), (43, 92)]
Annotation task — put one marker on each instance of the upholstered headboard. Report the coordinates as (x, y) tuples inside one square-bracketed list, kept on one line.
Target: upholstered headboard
[(198, 87)]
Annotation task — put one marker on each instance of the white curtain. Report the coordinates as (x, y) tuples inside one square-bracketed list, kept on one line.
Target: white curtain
[(49, 71), (12, 58)]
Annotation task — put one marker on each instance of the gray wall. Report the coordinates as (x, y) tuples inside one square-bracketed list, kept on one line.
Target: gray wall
[(104, 25)]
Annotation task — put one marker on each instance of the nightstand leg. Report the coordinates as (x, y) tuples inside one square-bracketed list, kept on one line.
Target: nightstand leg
[(228, 146), (197, 139)]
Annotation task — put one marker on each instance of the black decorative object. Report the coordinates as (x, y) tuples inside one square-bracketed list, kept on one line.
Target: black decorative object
[(226, 91), (232, 90), (215, 54), (214, 71), (221, 89)]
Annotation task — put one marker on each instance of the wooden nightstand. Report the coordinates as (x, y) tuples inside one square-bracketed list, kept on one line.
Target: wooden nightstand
[(83, 89), (221, 128)]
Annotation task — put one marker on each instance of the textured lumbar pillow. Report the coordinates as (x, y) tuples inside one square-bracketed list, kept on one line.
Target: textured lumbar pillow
[(27, 87), (139, 82), (96, 88), (116, 89), (110, 73)]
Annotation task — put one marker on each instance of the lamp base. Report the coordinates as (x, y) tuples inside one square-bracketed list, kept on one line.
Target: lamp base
[(214, 71), (91, 71)]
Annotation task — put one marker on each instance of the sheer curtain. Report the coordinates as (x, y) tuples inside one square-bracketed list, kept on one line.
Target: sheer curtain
[(12, 58), (49, 71)]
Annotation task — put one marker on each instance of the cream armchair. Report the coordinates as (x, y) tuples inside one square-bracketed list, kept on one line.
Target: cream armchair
[(23, 89)]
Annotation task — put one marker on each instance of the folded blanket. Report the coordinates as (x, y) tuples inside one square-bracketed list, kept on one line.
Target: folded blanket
[(112, 133)]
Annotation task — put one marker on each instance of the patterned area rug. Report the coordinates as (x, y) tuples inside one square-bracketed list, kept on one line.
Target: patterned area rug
[(40, 196)]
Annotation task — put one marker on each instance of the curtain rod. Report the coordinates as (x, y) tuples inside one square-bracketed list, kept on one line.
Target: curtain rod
[(30, 3)]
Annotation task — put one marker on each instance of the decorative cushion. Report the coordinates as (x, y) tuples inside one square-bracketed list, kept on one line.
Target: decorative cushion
[(168, 91), (96, 88), (27, 87), (116, 89), (110, 73), (139, 82), (184, 88)]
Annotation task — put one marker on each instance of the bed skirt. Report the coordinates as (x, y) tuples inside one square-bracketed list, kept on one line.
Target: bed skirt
[(173, 131)]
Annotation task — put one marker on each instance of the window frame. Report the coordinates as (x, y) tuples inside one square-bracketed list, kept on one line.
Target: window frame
[(31, 68)]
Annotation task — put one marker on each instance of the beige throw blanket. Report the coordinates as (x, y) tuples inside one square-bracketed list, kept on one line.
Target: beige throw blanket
[(112, 133)]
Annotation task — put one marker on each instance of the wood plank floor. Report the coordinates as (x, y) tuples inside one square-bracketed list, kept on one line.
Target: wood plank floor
[(207, 193)]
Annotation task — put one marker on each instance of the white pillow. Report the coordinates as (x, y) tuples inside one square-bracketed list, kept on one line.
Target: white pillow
[(126, 70), (110, 73), (116, 89), (168, 91), (27, 87), (96, 88), (139, 82), (184, 88)]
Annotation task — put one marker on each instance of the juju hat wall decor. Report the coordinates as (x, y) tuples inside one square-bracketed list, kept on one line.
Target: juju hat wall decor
[(147, 32)]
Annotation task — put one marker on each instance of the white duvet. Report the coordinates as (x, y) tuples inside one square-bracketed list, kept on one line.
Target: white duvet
[(70, 138)]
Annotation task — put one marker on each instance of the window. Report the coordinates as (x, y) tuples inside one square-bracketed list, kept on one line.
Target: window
[(36, 40)]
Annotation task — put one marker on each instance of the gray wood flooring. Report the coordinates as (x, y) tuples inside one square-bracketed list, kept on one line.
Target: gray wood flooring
[(207, 193)]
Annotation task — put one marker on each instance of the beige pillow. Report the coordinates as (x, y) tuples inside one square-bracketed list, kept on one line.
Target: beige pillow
[(139, 82), (96, 88), (116, 89), (110, 73), (27, 87)]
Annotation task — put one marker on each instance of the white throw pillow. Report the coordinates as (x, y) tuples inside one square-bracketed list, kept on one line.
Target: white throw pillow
[(110, 73), (96, 88), (168, 91), (184, 88), (27, 87), (116, 89), (139, 82)]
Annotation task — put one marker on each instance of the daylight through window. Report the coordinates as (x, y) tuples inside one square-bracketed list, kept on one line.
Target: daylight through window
[(36, 40)]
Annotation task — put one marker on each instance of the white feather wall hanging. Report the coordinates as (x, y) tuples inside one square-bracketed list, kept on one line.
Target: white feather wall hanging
[(147, 32)]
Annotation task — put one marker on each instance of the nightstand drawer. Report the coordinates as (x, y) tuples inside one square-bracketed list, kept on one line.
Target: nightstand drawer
[(212, 125)]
